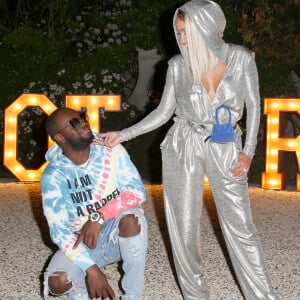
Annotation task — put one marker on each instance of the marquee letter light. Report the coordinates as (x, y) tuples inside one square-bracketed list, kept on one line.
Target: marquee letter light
[(11, 134), (92, 103), (271, 179)]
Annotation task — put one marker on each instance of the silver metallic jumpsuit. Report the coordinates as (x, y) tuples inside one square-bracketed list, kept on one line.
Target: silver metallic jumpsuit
[(188, 155)]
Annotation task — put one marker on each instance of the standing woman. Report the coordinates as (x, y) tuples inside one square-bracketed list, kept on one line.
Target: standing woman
[(210, 81)]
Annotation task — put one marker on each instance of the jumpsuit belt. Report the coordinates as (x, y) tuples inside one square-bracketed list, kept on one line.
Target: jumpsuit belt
[(200, 128)]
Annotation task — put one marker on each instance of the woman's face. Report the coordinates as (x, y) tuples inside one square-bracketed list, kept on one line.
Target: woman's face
[(180, 26)]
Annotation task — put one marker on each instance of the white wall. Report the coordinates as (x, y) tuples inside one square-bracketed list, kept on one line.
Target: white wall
[(147, 61)]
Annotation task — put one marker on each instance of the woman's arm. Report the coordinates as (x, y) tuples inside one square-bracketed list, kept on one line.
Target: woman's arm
[(155, 119), (252, 100)]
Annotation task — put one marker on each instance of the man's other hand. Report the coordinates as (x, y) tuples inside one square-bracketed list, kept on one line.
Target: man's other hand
[(98, 285), (89, 234)]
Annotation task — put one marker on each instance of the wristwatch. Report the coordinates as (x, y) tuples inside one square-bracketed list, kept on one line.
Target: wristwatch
[(96, 217)]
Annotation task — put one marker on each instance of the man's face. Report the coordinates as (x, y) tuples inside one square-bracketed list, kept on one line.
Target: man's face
[(75, 128)]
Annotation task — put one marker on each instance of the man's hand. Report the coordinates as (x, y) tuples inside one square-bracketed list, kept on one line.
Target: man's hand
[(98, 285), (89, 234)]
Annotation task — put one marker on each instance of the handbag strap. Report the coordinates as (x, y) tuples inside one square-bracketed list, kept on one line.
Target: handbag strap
[(226, 108)]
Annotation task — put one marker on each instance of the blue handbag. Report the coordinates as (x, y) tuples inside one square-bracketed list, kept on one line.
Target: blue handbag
[(222, 133)]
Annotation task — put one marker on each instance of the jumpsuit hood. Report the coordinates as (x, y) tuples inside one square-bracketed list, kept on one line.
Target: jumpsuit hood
[(210, 22)]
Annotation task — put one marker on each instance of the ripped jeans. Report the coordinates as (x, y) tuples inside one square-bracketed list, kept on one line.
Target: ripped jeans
[(110, 248)]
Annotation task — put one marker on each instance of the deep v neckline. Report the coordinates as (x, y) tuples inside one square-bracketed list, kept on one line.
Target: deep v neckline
[(207, 92)]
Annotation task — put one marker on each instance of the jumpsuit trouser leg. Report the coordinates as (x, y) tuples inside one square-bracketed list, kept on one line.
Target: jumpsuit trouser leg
[(183, 188), (183, 171), (235, 218)]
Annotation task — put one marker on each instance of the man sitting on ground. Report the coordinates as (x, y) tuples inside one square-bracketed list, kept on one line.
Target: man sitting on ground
[(92, 199)]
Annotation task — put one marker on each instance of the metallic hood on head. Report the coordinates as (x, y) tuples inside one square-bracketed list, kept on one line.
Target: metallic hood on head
[(210, 21)]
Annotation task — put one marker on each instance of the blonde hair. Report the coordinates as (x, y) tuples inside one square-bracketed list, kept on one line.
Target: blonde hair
[(196, 54)]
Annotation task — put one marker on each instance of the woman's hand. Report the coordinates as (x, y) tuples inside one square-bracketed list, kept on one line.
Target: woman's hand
[(242, 166), (109, 139)]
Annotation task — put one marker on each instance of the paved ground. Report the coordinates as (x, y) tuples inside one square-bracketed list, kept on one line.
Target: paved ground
[(25, 245)]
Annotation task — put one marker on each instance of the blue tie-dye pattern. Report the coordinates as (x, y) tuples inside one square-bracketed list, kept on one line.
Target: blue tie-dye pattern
[(59, 208)]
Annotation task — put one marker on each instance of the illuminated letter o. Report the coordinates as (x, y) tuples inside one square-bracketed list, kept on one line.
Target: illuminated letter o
[(11, 133)]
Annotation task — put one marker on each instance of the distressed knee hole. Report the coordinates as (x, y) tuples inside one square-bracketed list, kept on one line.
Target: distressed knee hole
[(59, 283), (129, 226)]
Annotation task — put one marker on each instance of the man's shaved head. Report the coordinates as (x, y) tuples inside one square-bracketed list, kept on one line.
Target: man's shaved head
[(52, 124), (67, 135)]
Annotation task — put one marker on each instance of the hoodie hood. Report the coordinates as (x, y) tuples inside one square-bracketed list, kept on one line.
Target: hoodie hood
[(55, 157), (210, 22)]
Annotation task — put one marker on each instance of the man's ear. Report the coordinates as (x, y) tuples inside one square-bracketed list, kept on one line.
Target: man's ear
[(59, 138)]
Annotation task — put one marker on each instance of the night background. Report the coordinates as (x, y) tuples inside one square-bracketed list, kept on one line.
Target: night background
[(62, 47)]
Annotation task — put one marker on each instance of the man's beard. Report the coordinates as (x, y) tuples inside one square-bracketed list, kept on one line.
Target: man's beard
[(80, 143)]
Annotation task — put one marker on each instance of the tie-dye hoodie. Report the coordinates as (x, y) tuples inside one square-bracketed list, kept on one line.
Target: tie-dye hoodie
[(108, 182)]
